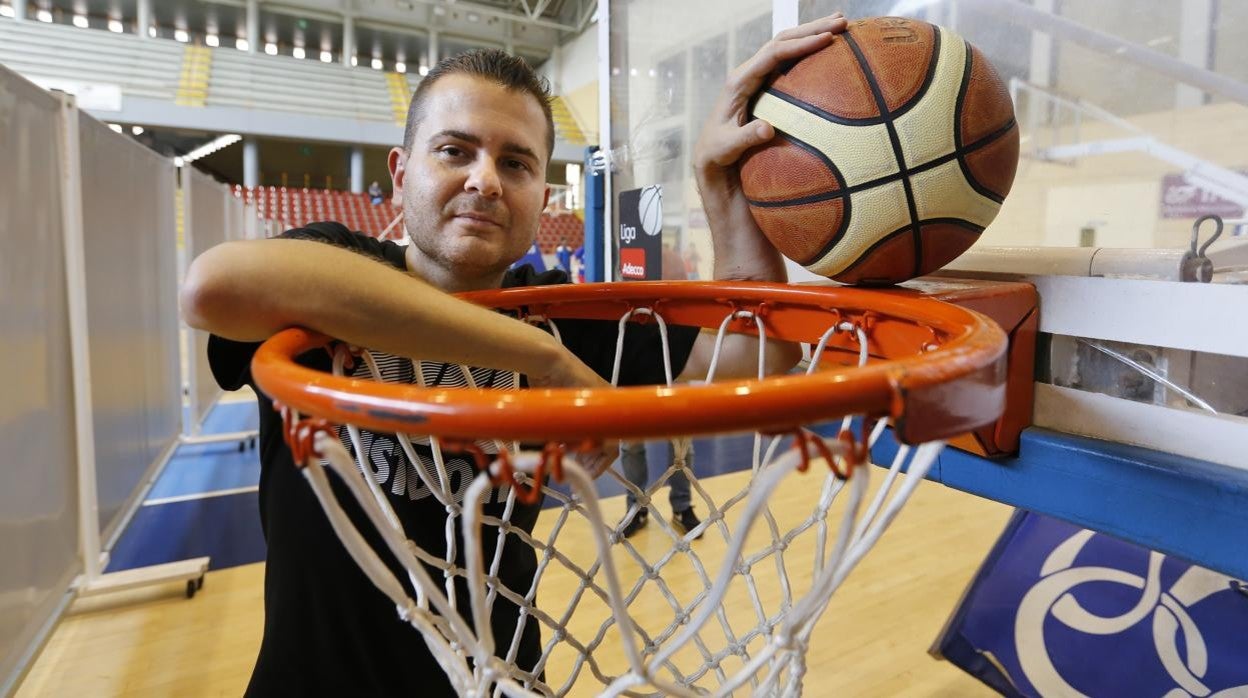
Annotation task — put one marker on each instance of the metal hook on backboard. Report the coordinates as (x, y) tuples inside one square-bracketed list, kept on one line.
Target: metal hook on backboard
[(1196, 266)]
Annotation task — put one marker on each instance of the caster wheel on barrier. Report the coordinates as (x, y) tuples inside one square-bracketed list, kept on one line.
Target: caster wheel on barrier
[(252, 443), (191, 588), (242, 446), (199, 583)]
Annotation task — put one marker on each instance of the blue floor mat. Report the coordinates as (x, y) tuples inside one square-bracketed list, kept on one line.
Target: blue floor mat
[(212, 467), (225, 528)]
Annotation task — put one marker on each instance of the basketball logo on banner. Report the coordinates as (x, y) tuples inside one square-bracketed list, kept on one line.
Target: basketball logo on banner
[(650, 210), (1182, 649)]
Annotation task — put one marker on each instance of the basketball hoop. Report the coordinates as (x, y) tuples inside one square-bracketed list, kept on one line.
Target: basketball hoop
[(930, 369)]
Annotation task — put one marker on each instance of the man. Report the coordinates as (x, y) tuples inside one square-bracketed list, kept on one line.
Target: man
[(636, 469), (470, 180)]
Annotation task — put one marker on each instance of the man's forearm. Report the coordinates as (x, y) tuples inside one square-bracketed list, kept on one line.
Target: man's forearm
[(250, 290), (741, 250)]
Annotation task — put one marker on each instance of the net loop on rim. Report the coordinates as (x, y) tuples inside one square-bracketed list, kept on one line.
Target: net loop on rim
[(502, 471), (300, 433), (811, 446)]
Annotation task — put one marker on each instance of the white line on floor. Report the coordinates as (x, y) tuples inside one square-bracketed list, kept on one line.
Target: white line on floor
[(200, 495)]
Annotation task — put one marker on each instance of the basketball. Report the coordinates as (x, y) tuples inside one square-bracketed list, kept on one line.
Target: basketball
[(895, 146), (650, 208)]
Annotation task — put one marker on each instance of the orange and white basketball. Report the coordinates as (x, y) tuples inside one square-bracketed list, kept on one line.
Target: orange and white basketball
[(895, 146)]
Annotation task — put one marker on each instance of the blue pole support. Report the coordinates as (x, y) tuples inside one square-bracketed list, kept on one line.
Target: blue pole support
[(1188, 508), (595, 202)]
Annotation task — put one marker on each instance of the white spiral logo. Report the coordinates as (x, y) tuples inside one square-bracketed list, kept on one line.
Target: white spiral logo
[(1167, 608)]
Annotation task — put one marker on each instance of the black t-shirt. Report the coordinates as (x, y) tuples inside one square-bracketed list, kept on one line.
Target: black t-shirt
[(327, 629)]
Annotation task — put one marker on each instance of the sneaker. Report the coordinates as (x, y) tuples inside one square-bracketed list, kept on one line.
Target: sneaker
[(639, 522), (685, 521)]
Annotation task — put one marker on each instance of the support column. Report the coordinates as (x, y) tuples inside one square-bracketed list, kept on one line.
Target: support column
[(432, 58), (251, 162), (556, 73), (253, 26), (143, 17), (1040, 69), (19, 10), (434, 49), (348, 39), (1195, 47), (357, 169)]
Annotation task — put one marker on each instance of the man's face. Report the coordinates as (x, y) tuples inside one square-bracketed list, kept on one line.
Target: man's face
[(474, 184)]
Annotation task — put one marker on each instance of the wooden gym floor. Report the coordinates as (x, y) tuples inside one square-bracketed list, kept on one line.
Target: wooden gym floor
[(872, 641)]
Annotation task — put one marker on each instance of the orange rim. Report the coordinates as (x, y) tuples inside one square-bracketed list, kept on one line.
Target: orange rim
[(938, 370)]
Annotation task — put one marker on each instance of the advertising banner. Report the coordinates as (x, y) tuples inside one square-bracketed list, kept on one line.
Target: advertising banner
[(640, 234)]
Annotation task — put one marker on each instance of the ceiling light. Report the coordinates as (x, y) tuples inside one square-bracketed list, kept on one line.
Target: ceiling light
[(80, 21), (376, 64), (242, 45), (327, 57), (115, 127), (211, 147), (136, 130), (354, 61), (7, 11), (178, 162), (115, 26), (400, 67), (151, 31), (43, 15), (212, 40), (271, 49), (298, 52), (181, 35), (424, 70), (474, 17)]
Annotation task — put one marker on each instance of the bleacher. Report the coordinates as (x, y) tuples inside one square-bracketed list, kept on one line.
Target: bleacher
[(294, 207)]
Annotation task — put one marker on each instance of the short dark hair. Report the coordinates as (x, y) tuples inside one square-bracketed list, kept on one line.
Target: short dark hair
[(496, 65)]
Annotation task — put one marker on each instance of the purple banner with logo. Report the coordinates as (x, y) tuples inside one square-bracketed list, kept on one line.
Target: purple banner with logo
[(1182, 199)]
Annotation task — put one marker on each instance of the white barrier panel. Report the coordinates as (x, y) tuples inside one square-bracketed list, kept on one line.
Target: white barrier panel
[(129, 236), (38, 481), (207, 217)]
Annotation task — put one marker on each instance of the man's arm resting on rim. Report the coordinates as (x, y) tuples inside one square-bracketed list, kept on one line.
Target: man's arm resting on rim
[(248, 291)]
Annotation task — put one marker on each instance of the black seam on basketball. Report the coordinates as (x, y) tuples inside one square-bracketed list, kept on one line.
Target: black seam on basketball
[(957, 130), (962, 89), (862, 258), (988, 139), (930, 164), (895, 140), (812, 198), (829, 116), (959, 222), (843, 225), (982, 143), (828, 196), (928, 78), (866, 255)]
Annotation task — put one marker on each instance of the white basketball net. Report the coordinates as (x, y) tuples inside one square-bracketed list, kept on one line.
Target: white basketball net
[(656, 614)]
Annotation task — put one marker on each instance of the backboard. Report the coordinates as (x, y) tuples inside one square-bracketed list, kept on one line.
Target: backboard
[(1133, 118)]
